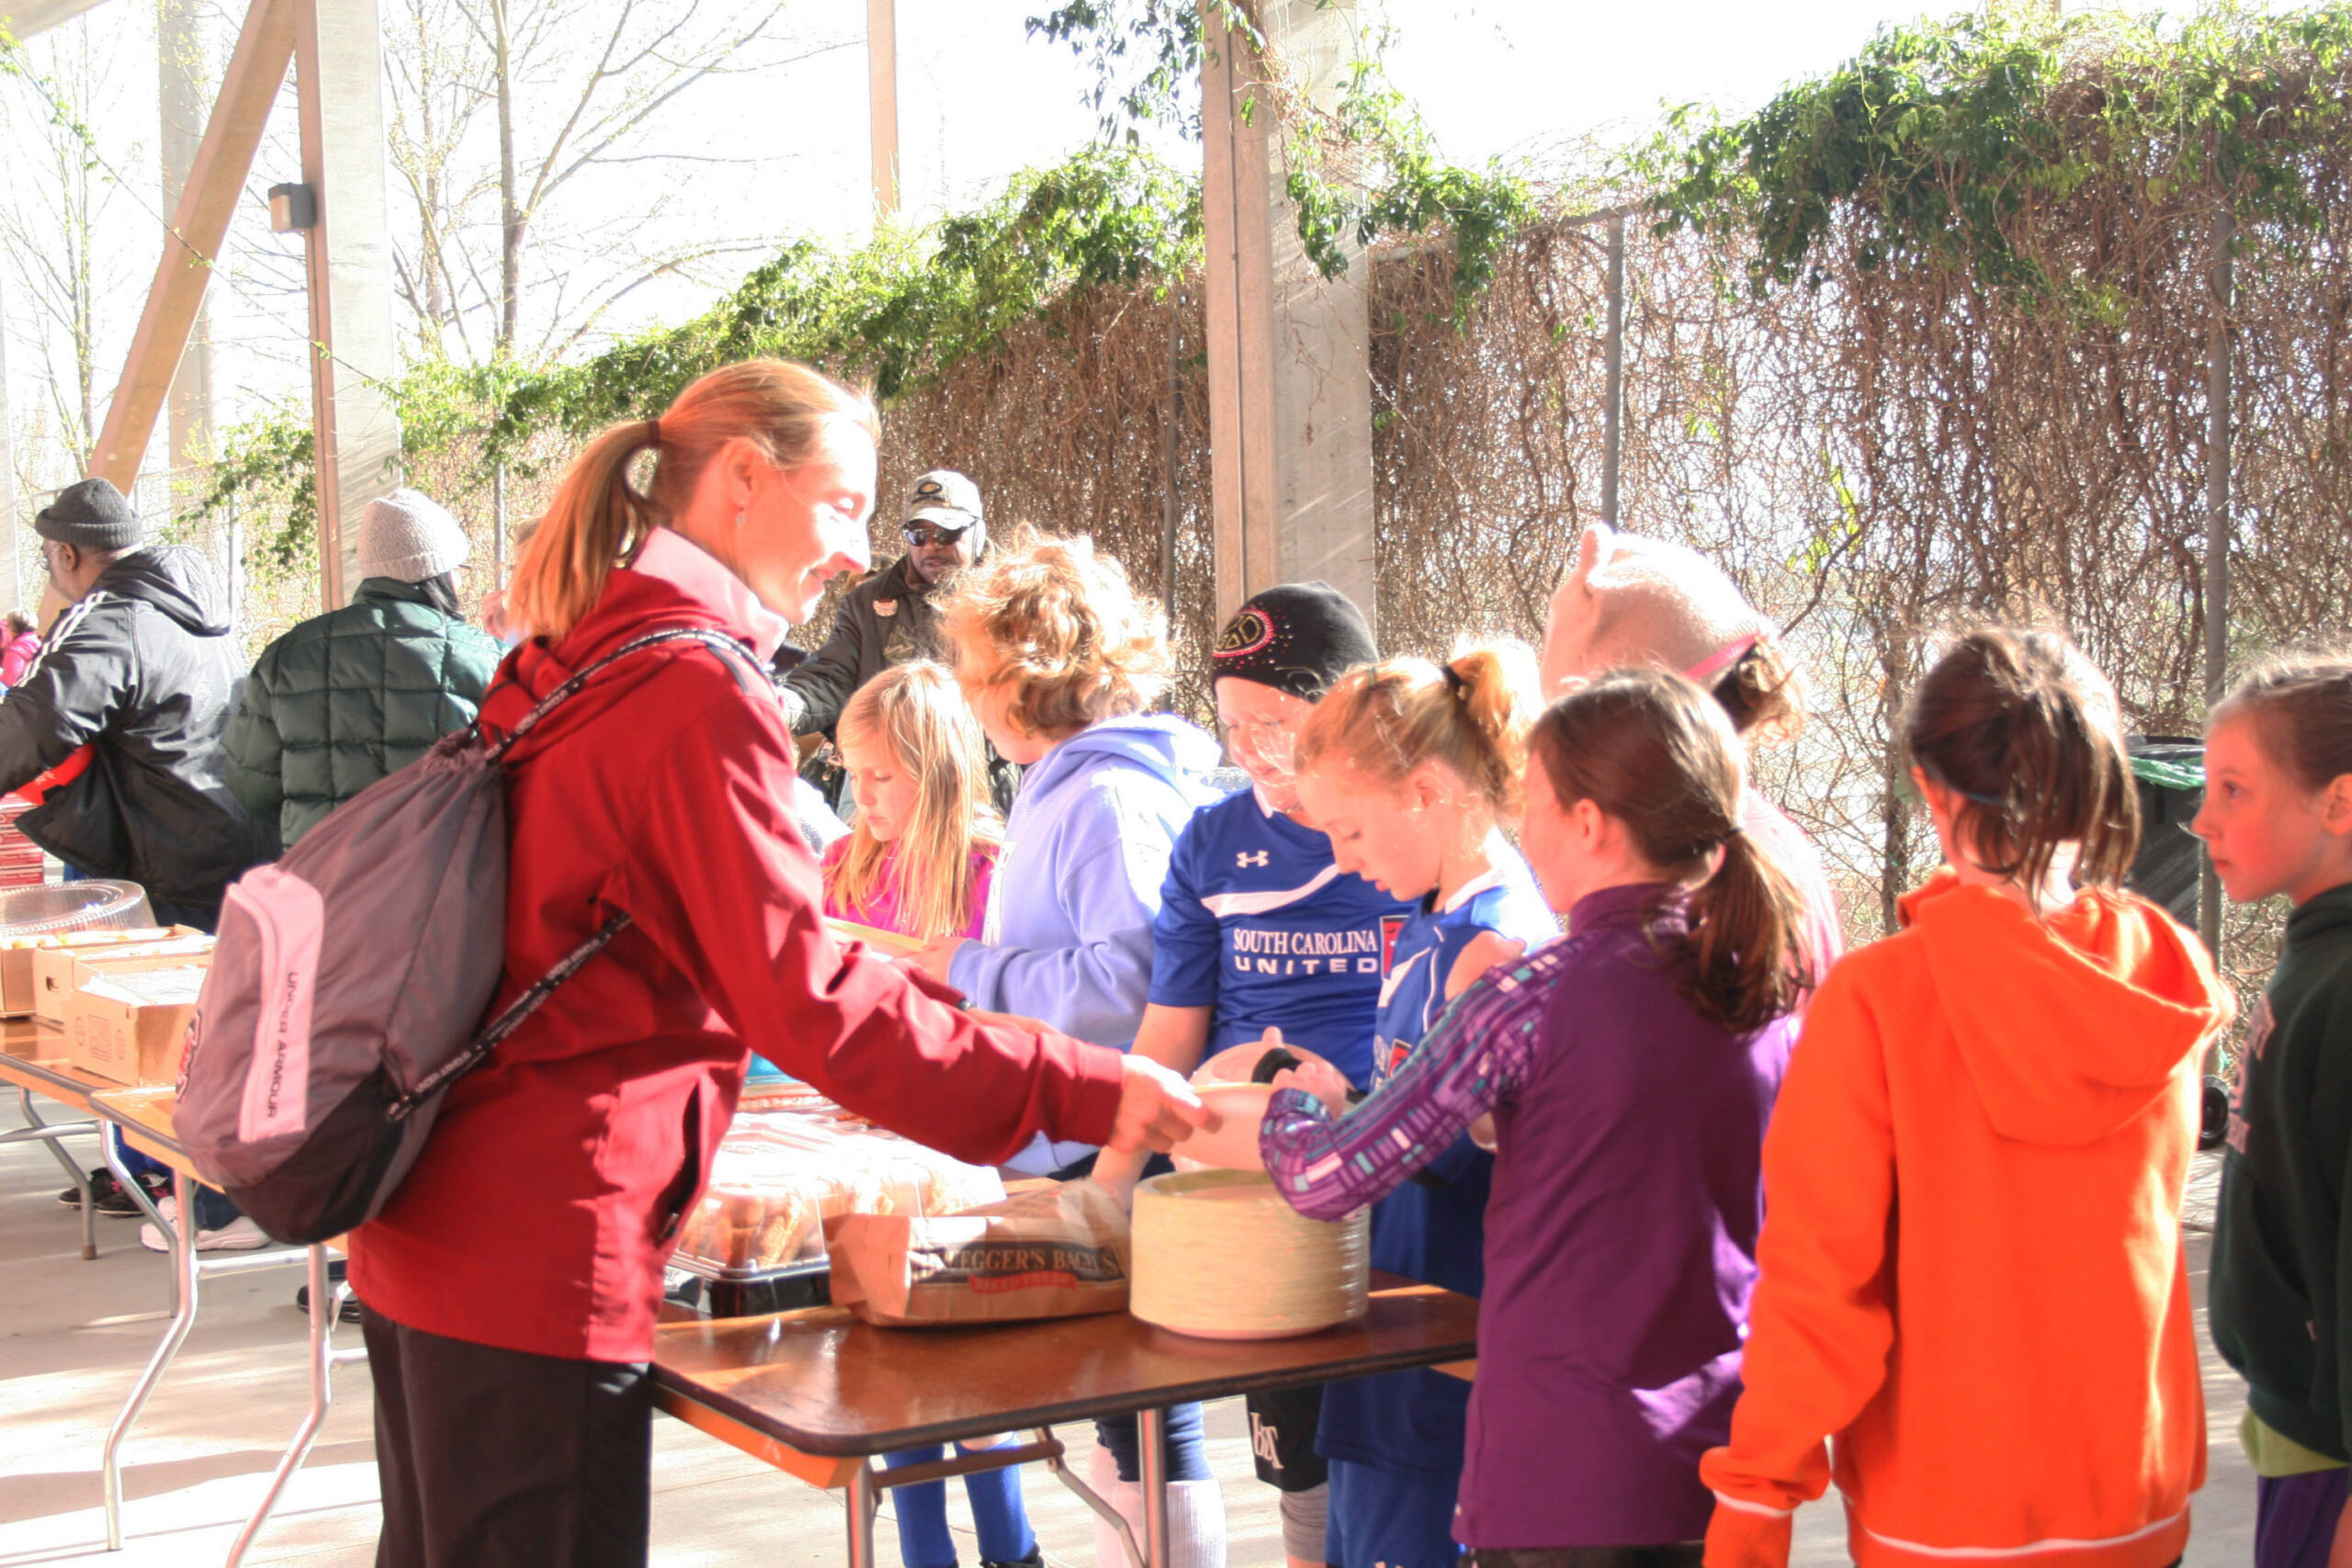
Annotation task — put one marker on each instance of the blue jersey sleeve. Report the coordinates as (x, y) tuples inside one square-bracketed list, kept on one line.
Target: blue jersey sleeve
[(1185, 937)]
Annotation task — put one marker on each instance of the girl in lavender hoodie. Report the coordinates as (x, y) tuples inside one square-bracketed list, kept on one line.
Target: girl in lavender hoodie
[(1630, 1068), (1058, 657)]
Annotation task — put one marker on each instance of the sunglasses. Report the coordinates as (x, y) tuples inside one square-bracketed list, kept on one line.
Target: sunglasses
[(921, 535)]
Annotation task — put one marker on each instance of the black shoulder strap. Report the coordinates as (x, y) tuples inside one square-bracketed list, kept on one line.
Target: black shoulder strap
[(733, 654)]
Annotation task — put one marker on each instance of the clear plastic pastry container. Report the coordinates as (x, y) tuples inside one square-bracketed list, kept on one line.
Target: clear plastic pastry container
[(780, 1175)]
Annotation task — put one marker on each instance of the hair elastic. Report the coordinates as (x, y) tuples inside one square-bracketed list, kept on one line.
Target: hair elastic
[(653, 432), (1454, 681)]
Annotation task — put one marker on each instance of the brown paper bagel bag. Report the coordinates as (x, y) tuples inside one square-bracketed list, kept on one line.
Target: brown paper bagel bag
[(1058, 1251)]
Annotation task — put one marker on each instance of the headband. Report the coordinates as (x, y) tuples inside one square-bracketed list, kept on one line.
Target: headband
[(1723, 659)]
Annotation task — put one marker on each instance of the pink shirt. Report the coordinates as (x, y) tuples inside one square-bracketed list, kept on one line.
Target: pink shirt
[(882, 913), (19, 654)]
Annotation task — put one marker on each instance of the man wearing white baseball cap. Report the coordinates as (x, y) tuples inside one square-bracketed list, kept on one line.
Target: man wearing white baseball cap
[(887, 619)]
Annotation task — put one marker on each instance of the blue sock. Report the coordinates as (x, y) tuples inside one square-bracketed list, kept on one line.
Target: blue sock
[(997, 1513), (921, 1512)]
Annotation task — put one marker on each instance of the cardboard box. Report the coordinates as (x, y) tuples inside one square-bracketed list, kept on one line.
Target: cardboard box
[(58, 971), (131, 1027), (17, 961)]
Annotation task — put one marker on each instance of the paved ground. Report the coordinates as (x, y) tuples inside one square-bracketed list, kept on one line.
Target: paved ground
[(73, 1336)]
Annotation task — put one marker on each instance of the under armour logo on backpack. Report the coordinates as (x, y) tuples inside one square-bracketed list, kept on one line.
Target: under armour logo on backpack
[(1247, 859)]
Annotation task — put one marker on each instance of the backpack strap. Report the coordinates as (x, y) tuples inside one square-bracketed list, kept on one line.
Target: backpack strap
[(507, 1021), (732, 653), (738, 659)]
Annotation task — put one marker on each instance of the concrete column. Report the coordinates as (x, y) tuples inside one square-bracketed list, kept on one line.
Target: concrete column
[(882, 91), (8, 518), (1289, 360), (338, 70), (179, 62)]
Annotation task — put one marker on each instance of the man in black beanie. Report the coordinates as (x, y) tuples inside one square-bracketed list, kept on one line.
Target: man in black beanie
[(117, 723)]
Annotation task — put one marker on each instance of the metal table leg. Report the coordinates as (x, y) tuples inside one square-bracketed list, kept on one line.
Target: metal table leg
[(1058, 1466), (1151, 1436), (864, 1498), (54, 1134), (186, 1273), (326, 1308), (182, 1240)]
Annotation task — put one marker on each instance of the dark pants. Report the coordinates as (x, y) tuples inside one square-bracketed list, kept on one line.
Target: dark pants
[(2295, 1519), (498, 1459), (1680, 1555), (1283, 1424)]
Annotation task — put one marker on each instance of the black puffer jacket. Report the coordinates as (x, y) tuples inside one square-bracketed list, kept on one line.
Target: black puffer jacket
[(143, 673)]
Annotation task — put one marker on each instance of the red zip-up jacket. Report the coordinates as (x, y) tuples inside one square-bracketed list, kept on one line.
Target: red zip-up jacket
[(545, 1202)]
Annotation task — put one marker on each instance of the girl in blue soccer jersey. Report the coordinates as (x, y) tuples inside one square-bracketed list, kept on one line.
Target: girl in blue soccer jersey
[(1259, 929), (1411, 768)]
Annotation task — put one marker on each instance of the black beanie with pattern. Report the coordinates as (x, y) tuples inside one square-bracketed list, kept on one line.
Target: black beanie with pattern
[(1297, 638)]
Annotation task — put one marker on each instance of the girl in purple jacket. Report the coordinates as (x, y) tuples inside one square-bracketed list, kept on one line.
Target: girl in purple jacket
[(1630, 1068)]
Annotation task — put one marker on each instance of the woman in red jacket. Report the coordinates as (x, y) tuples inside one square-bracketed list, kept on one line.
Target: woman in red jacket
[(512, 1284)]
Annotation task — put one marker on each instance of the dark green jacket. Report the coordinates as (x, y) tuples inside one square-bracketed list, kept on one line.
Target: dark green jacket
[(348, 697), (2281, 1297)]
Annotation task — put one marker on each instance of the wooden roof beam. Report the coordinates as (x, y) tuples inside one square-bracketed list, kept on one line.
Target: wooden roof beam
[(25, 18), (200, 222)]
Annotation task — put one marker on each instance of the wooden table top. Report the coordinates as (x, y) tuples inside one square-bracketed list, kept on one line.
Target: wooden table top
[(146, 1118), (823, 1382), (144, 1113), (31, 1062)]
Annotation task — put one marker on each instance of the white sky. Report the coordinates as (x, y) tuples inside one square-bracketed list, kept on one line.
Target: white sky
[(978, 101)]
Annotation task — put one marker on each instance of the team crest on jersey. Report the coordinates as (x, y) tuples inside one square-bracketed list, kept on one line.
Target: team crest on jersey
[(1247, 858), (1391, 928)]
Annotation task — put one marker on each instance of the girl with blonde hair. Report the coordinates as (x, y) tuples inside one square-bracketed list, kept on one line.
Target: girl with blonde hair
[(917, 769), (917, 863), (1412, 767)]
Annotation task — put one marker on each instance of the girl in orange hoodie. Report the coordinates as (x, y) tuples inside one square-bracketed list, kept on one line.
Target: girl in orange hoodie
[(1972, 1275)]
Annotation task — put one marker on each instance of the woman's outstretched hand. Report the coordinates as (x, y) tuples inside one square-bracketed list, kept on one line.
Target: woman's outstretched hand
[(1158, 1110)]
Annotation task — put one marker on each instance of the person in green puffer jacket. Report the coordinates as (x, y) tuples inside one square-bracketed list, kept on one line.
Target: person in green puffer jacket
[(353, 695)]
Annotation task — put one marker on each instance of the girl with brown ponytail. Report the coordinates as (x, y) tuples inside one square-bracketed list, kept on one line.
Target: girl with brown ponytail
[(510, 1285), (1412, 767), (1629, 1070)]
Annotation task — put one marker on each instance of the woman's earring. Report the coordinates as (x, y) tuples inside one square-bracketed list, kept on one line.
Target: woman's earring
[(739, 513)]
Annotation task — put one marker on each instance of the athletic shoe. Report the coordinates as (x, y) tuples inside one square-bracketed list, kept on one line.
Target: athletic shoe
[(240, 1234), (107, 1196), (351, 1312)]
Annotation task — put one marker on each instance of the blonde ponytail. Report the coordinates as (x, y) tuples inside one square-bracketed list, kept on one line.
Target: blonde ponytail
[(598, 519), (1472, 712)]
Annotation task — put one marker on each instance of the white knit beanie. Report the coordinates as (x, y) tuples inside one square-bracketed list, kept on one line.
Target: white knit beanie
[(410, 537)]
